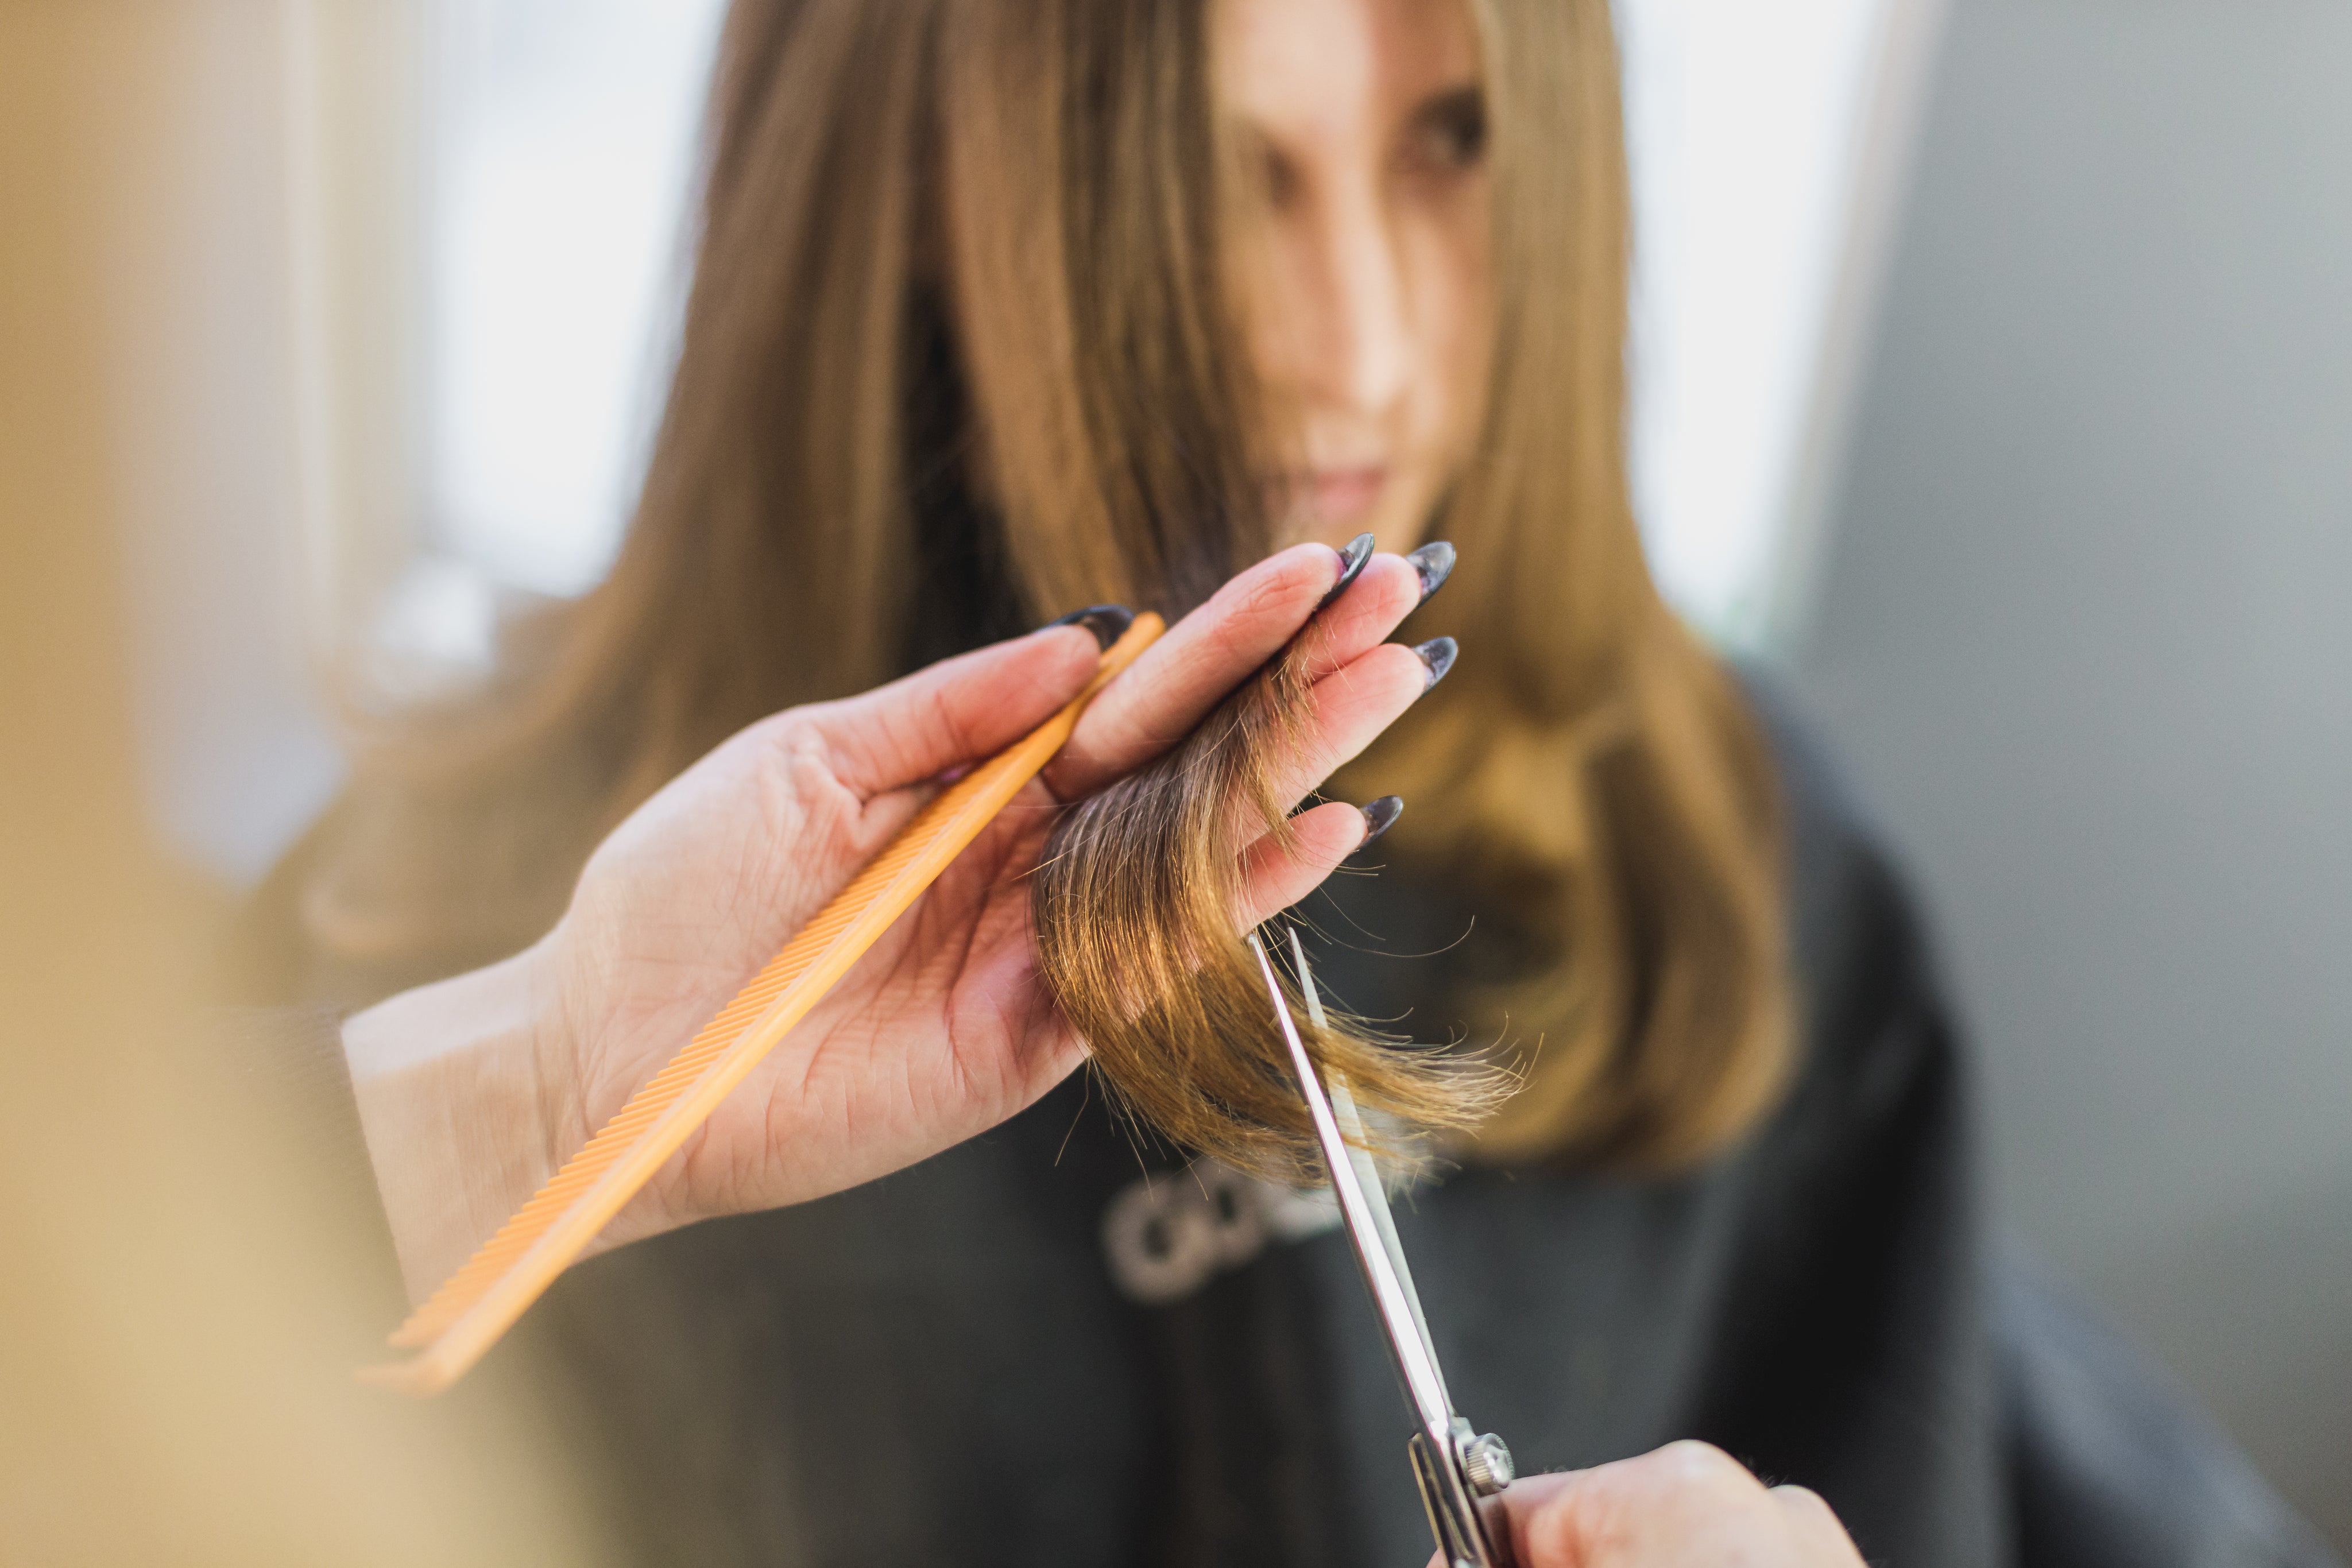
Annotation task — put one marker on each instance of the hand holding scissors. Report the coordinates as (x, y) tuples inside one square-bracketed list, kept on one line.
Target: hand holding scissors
[(1687, 1505)]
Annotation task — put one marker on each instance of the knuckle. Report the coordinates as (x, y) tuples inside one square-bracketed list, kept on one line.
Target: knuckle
[(1700, 1466), (1278, 591), (794, 735), (1551, 1527), (799, 755), (1575, 1524)]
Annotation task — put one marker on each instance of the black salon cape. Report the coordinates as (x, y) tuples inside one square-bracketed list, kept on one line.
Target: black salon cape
[(937, 1367)]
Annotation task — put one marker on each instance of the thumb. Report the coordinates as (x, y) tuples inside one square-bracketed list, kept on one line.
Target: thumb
[(1525, 1501)]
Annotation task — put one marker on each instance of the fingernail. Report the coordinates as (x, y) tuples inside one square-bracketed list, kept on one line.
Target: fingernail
[(1351, 561), (1380, 816), (1432, 563), (1437, 657), (1108, 622)]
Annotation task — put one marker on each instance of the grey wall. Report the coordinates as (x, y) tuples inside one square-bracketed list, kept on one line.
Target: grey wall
[(2086, 641)]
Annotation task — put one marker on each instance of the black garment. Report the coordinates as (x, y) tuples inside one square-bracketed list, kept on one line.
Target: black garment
[(939, 1367), (2107, 1470)]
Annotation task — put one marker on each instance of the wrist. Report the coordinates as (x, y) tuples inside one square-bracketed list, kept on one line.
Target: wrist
[(463, 1091)]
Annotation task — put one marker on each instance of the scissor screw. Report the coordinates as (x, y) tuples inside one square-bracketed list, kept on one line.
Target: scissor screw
[(1487, 1464)]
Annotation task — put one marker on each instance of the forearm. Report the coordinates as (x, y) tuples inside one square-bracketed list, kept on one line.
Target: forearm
[(464, 1099)]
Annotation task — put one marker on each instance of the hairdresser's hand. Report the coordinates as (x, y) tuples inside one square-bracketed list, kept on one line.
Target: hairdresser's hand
[(1683, 1506), (472, 1091)]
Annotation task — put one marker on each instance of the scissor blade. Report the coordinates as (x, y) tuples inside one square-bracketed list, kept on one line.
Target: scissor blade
[(1406, 1339), (1367, 1171)]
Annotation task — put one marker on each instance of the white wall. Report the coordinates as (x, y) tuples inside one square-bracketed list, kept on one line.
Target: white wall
[(2085, 641)]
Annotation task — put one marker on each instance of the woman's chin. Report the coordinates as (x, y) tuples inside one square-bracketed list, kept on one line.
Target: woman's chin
[(1392, 519), (1335, 517)]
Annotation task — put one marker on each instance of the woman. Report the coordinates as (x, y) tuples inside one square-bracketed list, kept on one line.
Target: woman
[(1006, 305)]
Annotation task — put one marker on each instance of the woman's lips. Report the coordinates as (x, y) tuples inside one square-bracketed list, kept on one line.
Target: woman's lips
[(1339, 495)]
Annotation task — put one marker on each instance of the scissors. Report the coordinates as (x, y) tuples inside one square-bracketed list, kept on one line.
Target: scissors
[(1462, 1473)]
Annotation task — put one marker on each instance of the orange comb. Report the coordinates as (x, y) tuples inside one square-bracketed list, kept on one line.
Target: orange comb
[(465, 1316)]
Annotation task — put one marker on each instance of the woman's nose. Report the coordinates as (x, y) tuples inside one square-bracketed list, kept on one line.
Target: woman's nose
[(1361, 350)]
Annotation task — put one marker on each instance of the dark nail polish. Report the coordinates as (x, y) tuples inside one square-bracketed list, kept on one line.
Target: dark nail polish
[(1108, 622), (1437, 657), (1432, 563), (1381, 815), (1351, 562)]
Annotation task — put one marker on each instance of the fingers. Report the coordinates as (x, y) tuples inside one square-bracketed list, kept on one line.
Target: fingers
[(954, 711), (1208, 653), (1274, 878), (1360, 685), (1550, 1520), (1383, 594), (1346, 711), (1179, 678), (966, 707), (1687, 1505), (1682, 1506)]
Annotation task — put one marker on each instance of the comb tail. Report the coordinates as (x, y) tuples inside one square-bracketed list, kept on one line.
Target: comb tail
[(468, 1314)]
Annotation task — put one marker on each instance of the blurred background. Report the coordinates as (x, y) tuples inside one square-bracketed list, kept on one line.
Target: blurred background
[(1992, 370), (2080, 633)]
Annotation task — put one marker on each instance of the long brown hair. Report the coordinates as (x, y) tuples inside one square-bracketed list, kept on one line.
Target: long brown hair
[(954, 248)]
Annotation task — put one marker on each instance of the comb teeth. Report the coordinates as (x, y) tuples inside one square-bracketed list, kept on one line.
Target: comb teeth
[(465, 1316)]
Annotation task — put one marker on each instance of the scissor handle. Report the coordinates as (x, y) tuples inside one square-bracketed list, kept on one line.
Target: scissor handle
[(1470, 1525)]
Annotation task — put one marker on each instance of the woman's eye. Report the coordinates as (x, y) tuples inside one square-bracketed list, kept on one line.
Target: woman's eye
[(1266, 173), (1451, 134), (1280, 179)]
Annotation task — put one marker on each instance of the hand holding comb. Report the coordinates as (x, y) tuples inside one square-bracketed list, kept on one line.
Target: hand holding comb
[(468, 1314), (945, 1028)]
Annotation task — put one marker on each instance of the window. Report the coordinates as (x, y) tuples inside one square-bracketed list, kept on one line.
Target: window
[(562, 145), (488, 202), (1766, 145)]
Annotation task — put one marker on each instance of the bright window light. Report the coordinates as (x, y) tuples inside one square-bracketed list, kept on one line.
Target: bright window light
[(1758, 136), (562, 145)]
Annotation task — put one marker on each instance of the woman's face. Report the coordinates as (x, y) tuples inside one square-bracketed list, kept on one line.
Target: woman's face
[(1363, 273)]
